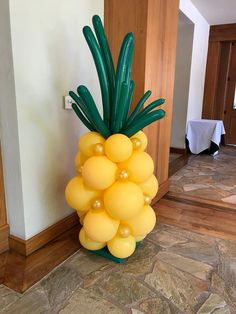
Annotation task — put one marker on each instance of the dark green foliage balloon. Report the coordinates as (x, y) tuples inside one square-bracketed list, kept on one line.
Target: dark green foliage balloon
[(117, 89)]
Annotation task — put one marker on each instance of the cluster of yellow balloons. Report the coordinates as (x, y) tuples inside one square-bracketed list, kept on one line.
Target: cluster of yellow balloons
[(112, 192)]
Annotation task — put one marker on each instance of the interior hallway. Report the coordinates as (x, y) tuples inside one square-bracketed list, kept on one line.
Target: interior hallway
[(207, 177), (176, 271)]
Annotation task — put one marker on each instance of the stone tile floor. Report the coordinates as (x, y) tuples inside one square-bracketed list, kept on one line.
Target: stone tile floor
[(174, 271), (208, 177)]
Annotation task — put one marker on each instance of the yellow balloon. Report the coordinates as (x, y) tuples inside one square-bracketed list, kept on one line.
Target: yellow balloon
[(140, 135), (80, 213), (150, 186), (143, 222), (88, 243), (78, 196), (139, 238), (118, 147), (140, 166), (99, 172), (99, 226), (124, 231), (88, 141), (122, 247), (79, 160), (123, 200), (81, 220)]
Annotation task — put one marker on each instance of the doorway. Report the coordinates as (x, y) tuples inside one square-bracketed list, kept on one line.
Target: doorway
[(181, 92)]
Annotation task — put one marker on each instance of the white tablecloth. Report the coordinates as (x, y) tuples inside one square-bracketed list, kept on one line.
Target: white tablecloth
[(200, 133)]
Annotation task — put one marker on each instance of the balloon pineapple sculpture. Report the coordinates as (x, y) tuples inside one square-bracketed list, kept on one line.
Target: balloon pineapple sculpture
[(115, 184)]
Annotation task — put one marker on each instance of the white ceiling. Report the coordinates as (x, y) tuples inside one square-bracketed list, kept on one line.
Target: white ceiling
[(217, 11)]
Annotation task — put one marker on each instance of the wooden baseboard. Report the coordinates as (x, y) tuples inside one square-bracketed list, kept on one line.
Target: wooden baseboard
[(176, 150), (20, 272), (4, 233), (27, 247), (163, 189), (203, 202), (214, 222)]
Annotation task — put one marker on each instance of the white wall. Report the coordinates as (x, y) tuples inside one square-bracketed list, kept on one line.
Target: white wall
[(197, 75), (182, 80), (199, 57), (50, 57), (9, 128)]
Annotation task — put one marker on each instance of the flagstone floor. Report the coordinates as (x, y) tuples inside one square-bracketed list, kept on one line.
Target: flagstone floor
[(174, 271), (208, 177)]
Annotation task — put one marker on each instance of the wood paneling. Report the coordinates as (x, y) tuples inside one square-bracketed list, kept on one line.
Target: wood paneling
[(20, 273), (154, 24), (121, 17), (218, 59), (220, 99), (230, 111), (4, 228), (159, 76), (27, 247), (225, 32), (4, 233), (214, 222), (211, 80), (161, 191)]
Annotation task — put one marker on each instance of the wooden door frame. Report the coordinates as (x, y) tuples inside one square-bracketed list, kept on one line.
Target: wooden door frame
[(154, 24), (4, 227), (229, 112), (217, 60)]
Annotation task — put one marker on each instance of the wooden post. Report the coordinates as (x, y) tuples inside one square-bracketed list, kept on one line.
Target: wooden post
[(154, 24)]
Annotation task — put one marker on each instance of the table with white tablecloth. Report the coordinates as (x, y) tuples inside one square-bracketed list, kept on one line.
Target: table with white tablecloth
[(204, 135)]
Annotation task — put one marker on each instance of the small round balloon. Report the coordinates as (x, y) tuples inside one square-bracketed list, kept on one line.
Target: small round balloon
[(99, 172), (88, 141), (140, 166), (118, 147), (143, 222), (122, 247), (79, 196), (99, 226), (88, 243), (123, 200), (79, 161), (141, 136), (150, 186)]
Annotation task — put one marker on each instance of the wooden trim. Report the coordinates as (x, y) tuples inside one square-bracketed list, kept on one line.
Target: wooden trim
[(198, 201), (19, 272), (163, 189), (4, 233), (218, 223), (226, 32), (27, 247), (175, 150)]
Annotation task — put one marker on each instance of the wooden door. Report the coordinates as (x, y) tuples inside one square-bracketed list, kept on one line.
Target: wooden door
[(230, 105), (154, 24)]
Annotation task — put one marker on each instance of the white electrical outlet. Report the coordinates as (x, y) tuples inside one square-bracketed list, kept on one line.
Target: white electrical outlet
[(68, 101)]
